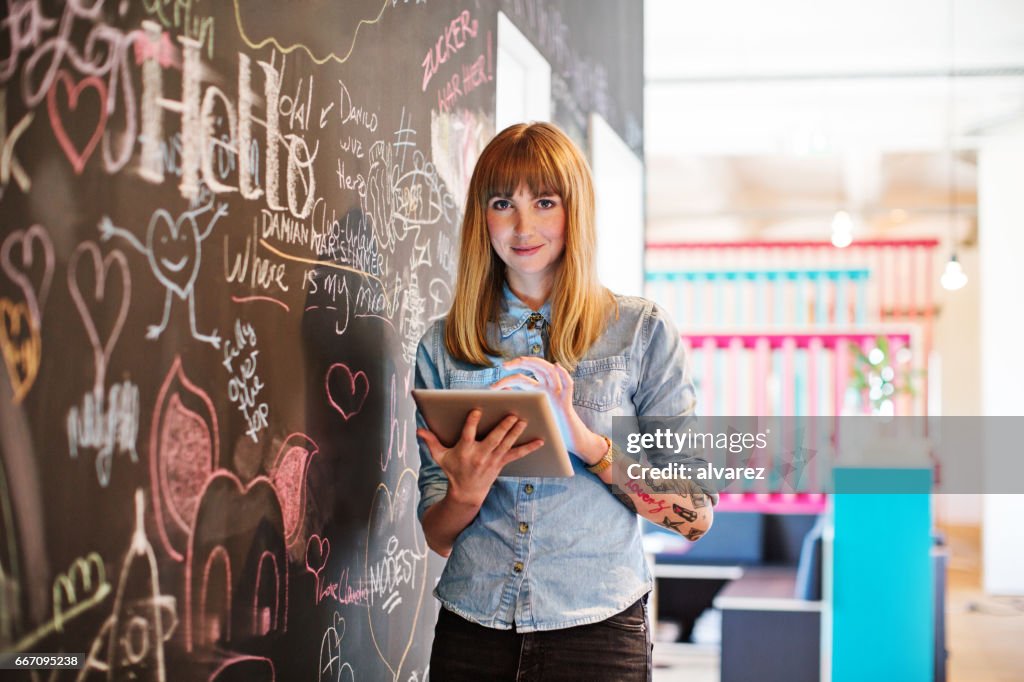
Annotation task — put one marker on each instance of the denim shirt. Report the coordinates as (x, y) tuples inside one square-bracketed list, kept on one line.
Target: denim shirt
[(551, 553)]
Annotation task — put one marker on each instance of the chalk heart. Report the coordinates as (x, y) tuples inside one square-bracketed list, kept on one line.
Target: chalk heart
[(186, 456), (94, 300), (64, 84), (288, 475), (241, 523), (20, 345), (183, 452), (317, 551), (396, 568), (174, 250), (346, 391), (331, 665), (26, 256)]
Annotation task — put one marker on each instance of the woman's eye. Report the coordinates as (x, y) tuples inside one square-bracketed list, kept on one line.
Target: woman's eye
[(546, 203), (500, 204)]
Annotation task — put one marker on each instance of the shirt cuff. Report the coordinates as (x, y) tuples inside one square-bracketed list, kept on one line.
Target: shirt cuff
[(431, 496)]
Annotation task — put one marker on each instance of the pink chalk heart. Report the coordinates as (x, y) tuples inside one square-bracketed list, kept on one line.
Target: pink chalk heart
[(346, 391), (184, 449), (26, 256), (317, 551), (74, 91), (97, 302), (289, 478)]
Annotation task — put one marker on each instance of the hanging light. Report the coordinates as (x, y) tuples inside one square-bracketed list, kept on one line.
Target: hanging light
[(953, 277), (842, 230)]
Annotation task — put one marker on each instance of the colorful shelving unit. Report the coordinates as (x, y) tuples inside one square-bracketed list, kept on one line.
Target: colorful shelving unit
[(774, 329), (773, 321)]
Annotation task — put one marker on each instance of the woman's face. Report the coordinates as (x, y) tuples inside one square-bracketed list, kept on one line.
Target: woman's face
[(528, 234)]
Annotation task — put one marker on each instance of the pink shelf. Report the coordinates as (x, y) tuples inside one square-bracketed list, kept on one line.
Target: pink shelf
[(799, 340), (873, 243), (773, 503)]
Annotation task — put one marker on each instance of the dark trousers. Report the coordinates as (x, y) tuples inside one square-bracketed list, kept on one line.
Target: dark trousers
[(617, 649)]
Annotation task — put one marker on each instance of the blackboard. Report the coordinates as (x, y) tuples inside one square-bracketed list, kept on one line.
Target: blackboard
[(224, 228)]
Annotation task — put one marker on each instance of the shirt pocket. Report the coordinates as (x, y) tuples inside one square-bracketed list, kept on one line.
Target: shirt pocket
[(463, 379), (599, 384)]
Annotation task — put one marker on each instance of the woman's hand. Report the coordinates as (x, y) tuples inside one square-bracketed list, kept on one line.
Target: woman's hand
[(556, 381), (471, 465)]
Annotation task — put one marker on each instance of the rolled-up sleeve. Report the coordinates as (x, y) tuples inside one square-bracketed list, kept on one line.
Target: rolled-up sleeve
[(665, 391), (432, 482)]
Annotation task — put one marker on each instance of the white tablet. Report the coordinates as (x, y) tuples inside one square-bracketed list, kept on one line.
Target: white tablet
[(445, 413)]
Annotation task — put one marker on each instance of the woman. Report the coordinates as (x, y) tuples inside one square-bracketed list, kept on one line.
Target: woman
[(546, 577)]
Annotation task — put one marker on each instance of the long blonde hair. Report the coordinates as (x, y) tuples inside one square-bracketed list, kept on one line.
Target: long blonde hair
[(542, 157)]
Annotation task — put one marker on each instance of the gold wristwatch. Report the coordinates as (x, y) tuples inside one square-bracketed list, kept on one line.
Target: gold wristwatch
[(606, 461)]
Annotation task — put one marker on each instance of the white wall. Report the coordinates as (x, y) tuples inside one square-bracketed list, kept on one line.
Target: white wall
[(522, 79), (1001, 243), (958, 344), (619, 189)]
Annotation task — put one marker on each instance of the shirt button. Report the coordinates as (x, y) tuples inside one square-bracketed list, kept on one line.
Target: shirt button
[(523, 527), (528, 488), (535, 348), (518, 567)]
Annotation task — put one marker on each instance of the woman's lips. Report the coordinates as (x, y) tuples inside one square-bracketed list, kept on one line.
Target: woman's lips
[(529, 251)]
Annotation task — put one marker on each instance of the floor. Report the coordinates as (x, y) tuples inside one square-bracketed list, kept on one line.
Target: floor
[(984, 634), (685, 663)]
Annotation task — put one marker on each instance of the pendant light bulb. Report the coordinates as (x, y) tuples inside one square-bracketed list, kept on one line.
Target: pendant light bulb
[(953, 277)]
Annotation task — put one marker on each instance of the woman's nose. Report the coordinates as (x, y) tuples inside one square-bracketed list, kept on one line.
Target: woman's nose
[(523, 224)]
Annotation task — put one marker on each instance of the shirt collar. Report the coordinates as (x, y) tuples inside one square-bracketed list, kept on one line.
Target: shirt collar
[(514, 313)]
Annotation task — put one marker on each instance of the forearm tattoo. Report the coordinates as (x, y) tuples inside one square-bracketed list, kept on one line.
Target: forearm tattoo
[(685, 514), (672, 525), (687, 490)]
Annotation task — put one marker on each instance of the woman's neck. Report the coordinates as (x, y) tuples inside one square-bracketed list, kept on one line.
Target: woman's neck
[(534, 297)]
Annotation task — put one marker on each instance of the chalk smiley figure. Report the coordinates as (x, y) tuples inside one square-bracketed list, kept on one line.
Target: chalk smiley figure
[(174, 249)]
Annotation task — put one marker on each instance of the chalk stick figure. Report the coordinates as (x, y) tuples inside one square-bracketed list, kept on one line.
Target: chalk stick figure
[(174, 248)]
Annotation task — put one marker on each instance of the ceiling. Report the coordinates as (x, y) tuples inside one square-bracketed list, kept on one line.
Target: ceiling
[(763, 119)]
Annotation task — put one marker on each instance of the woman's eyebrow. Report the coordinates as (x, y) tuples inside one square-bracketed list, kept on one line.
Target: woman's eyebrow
[(543, 194)]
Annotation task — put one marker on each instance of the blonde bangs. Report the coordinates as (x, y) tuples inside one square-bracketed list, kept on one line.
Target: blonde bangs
[(521, 160)]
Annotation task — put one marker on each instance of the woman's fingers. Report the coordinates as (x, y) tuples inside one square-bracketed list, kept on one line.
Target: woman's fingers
[(498, 433), (521, 451), (511, 437), (516, 381), (552, 376), (560, 375), (529, 361), (433, 444), (564, 375), (469, 427)]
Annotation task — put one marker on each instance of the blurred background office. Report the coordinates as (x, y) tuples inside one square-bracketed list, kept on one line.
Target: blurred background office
[(821, 173)]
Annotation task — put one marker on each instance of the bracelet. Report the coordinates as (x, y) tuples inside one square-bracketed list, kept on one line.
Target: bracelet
[(606, 461)]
